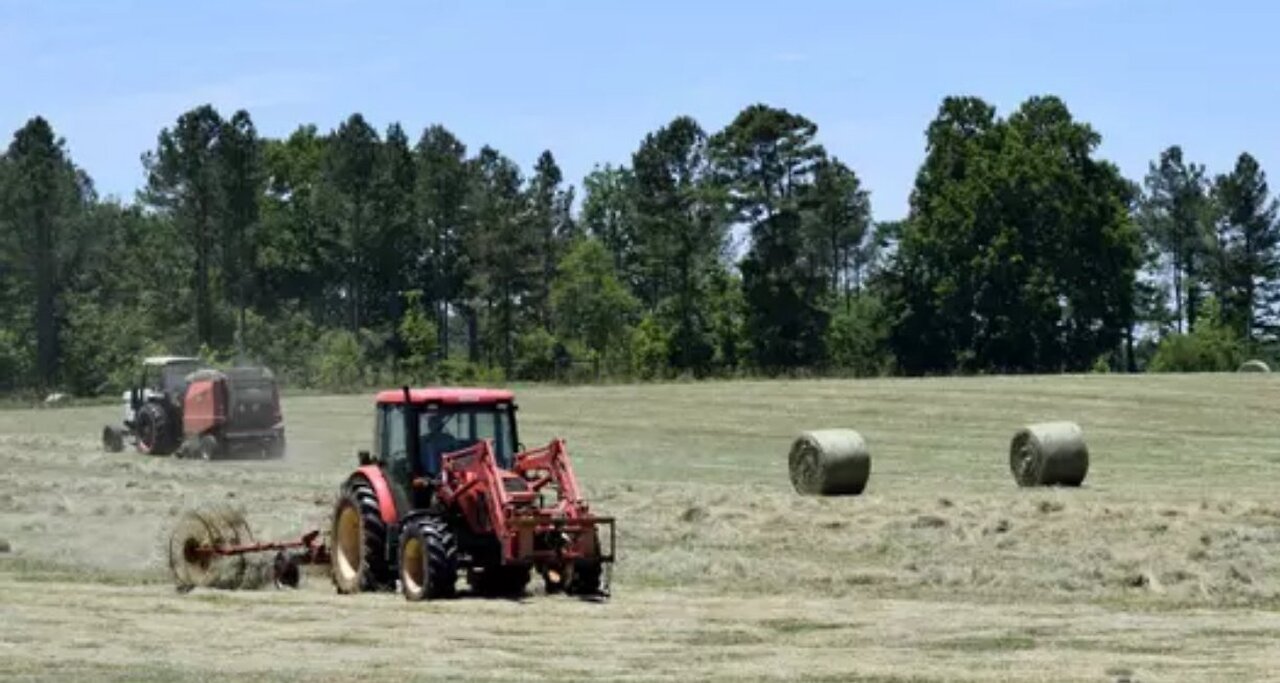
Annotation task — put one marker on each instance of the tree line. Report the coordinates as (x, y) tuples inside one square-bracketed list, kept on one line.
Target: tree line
[(352, 256)]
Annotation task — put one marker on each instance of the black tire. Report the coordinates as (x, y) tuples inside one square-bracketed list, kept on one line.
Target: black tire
[(500, 581), (587, 574), (428, 560), (112, 440), (275, 450), (154, 430), (359, 539)]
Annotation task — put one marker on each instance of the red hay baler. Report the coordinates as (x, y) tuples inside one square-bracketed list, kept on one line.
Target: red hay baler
[(180, 406)]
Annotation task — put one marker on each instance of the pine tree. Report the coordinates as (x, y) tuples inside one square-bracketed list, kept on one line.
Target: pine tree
[(443, 215), (43, 198), (767, 158), (1249, 241), (184, 182)]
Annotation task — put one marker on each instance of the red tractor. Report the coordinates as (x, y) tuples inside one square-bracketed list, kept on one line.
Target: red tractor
[(447, 489)]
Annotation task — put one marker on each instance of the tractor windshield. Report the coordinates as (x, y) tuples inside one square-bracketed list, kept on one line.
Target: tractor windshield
[(450, 428)]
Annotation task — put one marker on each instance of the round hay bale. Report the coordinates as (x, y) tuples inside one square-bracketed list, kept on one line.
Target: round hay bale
[(1254, 365), (1049, 454), (830, 462)]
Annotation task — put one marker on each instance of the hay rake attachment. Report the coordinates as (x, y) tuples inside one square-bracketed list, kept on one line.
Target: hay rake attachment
[(212, 549)]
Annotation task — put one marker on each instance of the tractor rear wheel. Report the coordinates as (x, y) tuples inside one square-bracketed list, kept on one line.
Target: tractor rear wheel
[(428, 560), (155, 430), (359, 539)]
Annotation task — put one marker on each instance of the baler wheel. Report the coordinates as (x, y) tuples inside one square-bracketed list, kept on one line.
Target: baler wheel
[(207, 449), (359, 539)]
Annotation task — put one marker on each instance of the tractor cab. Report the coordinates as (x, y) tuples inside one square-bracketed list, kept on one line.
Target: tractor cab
[(164, 376), (416, 427), (160, 378), (448, 488)]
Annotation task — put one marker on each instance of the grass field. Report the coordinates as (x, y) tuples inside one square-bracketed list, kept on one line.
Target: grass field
[(1164, 567)]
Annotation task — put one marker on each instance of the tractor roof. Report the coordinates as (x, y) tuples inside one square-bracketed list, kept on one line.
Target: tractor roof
[(451, 395)]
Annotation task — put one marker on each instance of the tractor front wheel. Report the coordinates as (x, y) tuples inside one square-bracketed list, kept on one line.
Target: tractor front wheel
[(112, 440), (428, 560), (359, 539), (588, 573), (586, 579)]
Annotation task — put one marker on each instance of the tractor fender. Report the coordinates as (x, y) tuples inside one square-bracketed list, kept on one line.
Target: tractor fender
[(376, 479)]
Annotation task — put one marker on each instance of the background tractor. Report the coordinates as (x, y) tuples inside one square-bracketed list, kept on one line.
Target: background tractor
[(446, 491), (180, 405)]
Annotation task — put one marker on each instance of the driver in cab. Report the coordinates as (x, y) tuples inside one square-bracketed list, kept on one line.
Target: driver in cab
[(437, 441)]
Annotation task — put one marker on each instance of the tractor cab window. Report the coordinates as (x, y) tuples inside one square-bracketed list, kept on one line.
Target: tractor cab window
[(170, 378), (449, 428)]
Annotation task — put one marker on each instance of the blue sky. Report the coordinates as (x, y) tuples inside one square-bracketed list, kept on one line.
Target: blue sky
[(588, 79)]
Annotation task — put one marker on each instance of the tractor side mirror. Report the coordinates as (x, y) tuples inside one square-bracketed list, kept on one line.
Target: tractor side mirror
[(364, 458), (519, 447)]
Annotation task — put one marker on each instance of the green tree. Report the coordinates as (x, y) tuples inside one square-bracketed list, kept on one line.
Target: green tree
[(1019, 254), (350, 160), (184, 183), (1213, 346), (43, 198), (391, 247), (291, 246), (858, 337), (609, 215), (1174, 213), (839, 223), (419, 336), (499, 247), (591, 305), (1248, 241), (767, 158), (681, 230), (442, 191), (242, 179), (551, 228)]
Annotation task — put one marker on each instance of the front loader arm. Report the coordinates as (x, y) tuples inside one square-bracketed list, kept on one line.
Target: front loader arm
[(554, 460), (470, 469)]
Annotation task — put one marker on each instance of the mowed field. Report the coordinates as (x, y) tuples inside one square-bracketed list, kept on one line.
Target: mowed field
[(1165, 566)]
